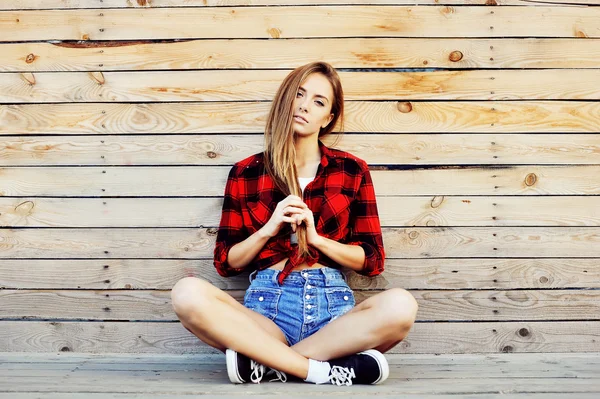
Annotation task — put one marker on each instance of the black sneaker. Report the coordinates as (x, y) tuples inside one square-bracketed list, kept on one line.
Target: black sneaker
[(368, 367), (241, 369)]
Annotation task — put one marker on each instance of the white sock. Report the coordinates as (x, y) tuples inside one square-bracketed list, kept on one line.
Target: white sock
[(318, 372)]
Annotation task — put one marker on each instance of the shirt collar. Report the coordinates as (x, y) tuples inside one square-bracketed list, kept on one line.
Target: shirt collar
[(326, 154)]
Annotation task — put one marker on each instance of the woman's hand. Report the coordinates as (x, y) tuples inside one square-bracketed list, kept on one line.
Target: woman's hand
[(306, 216), (284, 213)]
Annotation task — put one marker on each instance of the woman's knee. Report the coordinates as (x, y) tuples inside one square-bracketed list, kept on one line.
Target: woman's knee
[(191, 294), (399, 308)]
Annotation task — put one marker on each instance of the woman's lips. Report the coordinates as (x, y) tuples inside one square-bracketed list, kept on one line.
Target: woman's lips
[(299, 119)]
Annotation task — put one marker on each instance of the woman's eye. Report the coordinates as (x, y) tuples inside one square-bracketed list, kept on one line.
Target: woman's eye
[(320, 103), (298, 93)]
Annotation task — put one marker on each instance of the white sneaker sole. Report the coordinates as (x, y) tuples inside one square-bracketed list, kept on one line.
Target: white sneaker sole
[(383, 364), (232, 367)]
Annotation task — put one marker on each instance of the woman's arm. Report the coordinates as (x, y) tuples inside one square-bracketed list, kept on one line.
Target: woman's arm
[(364, 251), (241, 254), (351, 256)]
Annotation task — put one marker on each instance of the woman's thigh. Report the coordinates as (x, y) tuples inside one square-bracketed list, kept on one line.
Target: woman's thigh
[(266, 324)]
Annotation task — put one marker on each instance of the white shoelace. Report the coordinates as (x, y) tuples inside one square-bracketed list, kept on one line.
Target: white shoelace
[(258, 370), (280, 375), (341, 375)]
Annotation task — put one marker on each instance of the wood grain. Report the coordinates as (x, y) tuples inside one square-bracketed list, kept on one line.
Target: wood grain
[(209, 181), (436, 211), (454, 305), (375, 149), (236, 117), (299, 22), (533, 53), (83, 4), (173, 338), (412, 242), (260, 85), (413, 274)]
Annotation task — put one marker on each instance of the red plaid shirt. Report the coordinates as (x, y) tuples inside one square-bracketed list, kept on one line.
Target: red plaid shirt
[(341, 198)]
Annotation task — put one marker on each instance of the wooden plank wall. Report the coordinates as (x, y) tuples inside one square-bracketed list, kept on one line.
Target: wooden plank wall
[(120, 119)]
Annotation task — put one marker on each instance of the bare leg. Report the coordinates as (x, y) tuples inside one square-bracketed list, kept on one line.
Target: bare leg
[(222, 322), (379, 322)]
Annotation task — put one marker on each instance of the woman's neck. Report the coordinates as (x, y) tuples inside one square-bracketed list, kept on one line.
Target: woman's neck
[(307, 151)]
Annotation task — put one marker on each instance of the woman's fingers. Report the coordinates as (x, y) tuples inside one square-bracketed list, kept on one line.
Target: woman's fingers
[(291, 209), (289, 219)]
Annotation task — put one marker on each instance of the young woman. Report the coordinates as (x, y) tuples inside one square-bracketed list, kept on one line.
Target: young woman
[(294, 215)]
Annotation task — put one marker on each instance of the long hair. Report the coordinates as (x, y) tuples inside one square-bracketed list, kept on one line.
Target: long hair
[(280, 153)]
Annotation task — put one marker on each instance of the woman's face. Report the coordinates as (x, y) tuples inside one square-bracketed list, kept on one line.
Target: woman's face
[(312, 106)]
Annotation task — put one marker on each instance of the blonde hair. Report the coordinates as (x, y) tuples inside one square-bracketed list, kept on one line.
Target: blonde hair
[(280, 152)]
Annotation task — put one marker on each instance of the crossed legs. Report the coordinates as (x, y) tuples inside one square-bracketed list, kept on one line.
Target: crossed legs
[(216, 318)]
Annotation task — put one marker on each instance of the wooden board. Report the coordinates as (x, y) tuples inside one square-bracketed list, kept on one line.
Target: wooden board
[(300, 22), (84, 4), (412, 242), (259, 85), (534, 53), (360, 116), (393, 211), (411, 376), (375, 149), (413, 274), (173, 338), (438, 305), (207, 181)]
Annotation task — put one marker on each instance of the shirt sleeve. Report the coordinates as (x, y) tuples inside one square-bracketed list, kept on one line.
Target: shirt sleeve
[(365, 228), (231, 228)]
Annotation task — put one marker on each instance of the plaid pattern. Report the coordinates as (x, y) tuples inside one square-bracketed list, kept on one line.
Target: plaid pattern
[(341, 198)]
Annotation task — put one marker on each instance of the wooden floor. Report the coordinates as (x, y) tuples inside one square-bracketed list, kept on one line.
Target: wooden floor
[(511, 375)]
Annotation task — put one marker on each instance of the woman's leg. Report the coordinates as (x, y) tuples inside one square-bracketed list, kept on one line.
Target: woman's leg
[(222, 322), (380, 322)]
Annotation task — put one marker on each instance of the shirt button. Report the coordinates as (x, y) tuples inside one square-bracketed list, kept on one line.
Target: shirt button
[(309, 286), (261, 299), (308, 307), (309, 317), (345, 298), (307, 297), (304, 275)]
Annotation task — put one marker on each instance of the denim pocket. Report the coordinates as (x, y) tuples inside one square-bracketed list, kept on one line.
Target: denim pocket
[(263, 301), (340, 300)]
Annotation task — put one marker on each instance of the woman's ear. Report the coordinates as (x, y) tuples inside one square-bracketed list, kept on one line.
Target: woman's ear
[(328, 122)]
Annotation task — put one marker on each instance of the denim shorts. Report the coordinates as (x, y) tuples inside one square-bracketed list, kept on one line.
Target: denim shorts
[(305, 302)]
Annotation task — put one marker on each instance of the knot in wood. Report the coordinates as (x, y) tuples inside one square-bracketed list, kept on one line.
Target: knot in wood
[(543, 279), (405, 107), (437, 201), (211, 231), (211, 154), (413, 234), (507, 349), (455, 56), (98, 77), (530, 179), (28, 77), (275, 33), (30, 58), (523, 332)]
